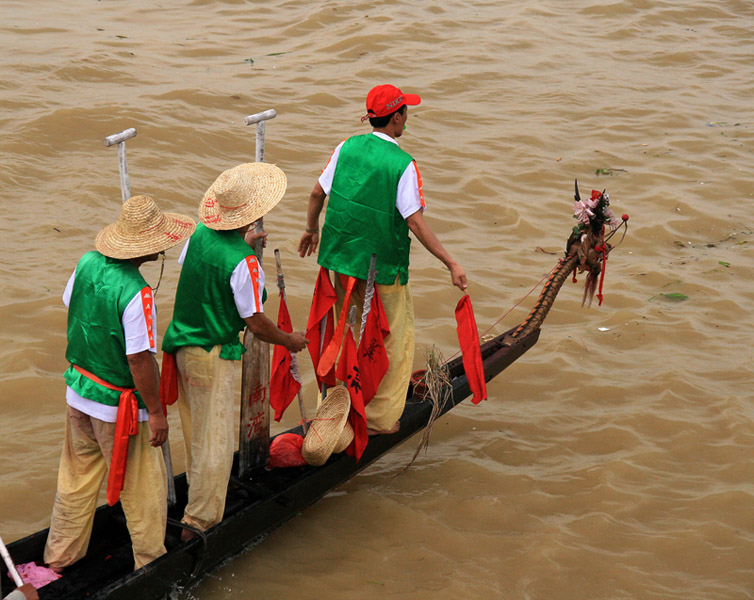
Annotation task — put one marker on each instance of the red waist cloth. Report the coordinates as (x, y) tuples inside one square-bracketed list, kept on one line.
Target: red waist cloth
[(126, 425), (168, 381)]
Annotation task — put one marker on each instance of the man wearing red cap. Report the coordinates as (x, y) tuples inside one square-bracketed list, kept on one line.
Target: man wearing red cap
[(375, 198)]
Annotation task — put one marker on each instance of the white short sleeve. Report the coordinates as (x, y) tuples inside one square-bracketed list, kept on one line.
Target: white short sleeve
[(325, 180), (182, 257), (247, 283), (69, 289), (409, 197), (140, 323)]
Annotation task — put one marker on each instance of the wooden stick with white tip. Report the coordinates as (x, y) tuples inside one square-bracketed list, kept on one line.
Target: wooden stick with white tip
[(9, 563)]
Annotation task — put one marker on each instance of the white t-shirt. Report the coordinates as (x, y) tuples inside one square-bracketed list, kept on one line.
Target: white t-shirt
[(138, 338), (247, 283), (409, 196)]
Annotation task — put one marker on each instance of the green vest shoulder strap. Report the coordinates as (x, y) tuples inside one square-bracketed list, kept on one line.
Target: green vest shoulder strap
[(205, 312), (96, 341), (361, 217)]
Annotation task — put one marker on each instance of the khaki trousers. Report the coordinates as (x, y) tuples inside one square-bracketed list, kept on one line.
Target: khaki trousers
[(205, 403), (388, 404), (84, 463)]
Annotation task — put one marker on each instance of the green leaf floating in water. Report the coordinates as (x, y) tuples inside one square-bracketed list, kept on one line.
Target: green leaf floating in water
[(675, 297), (723, 263)]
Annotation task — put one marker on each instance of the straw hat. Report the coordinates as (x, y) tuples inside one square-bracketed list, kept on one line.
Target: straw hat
[(142, 229), (327, 428), (345, 439), (242, 195)]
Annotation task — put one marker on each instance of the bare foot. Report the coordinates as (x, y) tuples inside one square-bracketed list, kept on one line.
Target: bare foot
[(393, 429), (187, 535)]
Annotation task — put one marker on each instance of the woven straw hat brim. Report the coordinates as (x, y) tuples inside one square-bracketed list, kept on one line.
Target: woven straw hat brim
[(143, 229), (242, 195), (345, 439), (327, 426)]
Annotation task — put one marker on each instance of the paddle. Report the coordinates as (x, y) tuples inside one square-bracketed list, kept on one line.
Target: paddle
[(125, 191), (9, 563), (254, 430)]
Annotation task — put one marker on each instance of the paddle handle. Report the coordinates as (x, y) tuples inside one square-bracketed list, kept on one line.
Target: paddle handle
[(9, 563), (259, 119), (120, 139), (169, 470)]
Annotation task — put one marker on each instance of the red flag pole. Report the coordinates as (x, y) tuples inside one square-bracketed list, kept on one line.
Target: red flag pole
[(369, 293), (322, 328), (294, 359)]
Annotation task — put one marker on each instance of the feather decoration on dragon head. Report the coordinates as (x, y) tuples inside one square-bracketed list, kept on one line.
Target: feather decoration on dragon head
[(588, 241), (587, 250)]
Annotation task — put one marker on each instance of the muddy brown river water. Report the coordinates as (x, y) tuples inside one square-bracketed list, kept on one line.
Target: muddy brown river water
[(614, 460)]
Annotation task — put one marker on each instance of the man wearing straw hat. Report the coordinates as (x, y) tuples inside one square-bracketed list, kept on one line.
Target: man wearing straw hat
[(221, 290), (376, 198), (113, 385)]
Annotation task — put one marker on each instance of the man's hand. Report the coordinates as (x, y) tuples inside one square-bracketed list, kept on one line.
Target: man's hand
[(297, 341), (146, 376), (158, 423), (308, 244), (458, 275), (29, 591), (252, 238), (267, 331)]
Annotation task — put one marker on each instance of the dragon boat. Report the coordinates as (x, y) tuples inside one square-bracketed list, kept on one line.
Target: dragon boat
[(266, 498)]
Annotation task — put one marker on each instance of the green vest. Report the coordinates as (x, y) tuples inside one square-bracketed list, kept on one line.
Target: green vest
[(96, 341), (205, 312), (361, 216)]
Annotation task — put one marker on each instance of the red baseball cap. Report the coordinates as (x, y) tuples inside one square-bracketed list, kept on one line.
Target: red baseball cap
[(386, 99)]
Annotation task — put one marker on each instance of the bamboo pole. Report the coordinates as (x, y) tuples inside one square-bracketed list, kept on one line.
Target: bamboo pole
[(254, 428), (125, 192), (294, 359), (9, 563), (368, 294)]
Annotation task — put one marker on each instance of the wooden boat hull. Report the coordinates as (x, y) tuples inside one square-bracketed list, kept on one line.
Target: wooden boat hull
[(254, 507)]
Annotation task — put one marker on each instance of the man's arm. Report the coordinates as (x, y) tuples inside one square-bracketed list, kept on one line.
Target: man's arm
[(267, 331), (423, 232), (26, 592), (310, 239), (146, 376)]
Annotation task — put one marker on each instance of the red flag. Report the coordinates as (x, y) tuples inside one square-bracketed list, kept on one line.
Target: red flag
[(322, 304), (168, 381), (330, 353), (468, 338), (348, 373), (283, 387), (373, 358)]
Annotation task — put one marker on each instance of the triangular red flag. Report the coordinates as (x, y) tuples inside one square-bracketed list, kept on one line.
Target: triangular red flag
[(330, 353), (348, 373), (373, 358), (471, 351), (323, 301), (283, 387)]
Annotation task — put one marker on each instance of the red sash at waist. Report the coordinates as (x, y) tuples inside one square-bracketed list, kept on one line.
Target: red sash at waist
[(126, 425)]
